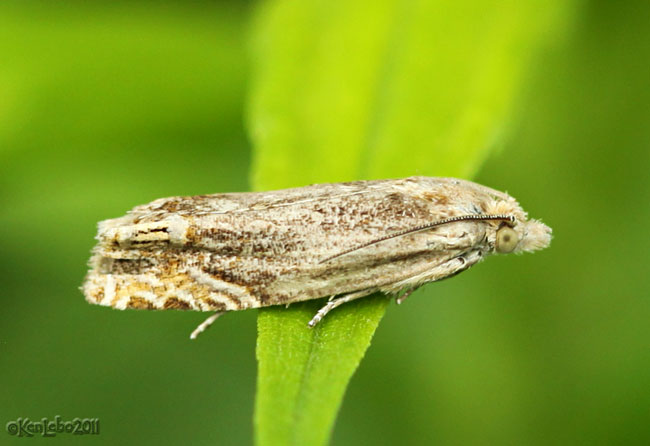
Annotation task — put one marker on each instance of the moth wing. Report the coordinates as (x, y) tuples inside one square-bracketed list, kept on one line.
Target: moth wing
[(449, 267), (249, 202)]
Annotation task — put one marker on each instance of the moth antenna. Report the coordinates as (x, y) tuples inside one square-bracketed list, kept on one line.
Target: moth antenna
[(510, 218)]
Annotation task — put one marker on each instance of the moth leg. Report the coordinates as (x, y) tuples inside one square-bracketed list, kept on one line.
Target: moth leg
[(331, 304), (407, 293), (205, 324)]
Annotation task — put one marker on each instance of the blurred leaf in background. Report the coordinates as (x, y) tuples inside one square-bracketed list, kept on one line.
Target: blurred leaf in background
[(363, 89), (418, 90), (106, 105)]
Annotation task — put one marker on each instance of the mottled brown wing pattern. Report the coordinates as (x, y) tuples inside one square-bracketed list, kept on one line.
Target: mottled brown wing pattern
[(246, 250)]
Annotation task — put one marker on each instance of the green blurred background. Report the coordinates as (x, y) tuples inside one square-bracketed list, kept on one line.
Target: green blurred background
[(107, 105)]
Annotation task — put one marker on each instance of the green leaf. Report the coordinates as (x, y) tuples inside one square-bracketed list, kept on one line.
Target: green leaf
[(304, 372), (346, 90)]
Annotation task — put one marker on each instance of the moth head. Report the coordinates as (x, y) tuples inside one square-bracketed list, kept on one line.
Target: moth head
[(508, 228), (522, 236)]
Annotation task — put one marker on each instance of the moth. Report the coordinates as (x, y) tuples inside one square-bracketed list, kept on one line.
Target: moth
[(234, 251)]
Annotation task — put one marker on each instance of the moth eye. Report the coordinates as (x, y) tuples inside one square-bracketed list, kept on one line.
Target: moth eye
[(507, 239)]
